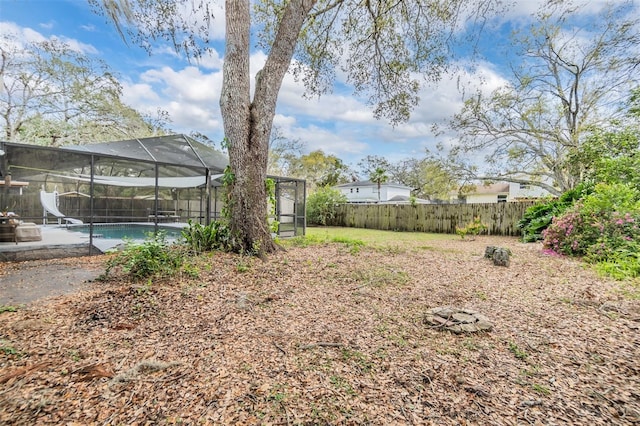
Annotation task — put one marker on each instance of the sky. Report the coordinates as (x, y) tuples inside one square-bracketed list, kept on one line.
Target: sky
[(337, 123)]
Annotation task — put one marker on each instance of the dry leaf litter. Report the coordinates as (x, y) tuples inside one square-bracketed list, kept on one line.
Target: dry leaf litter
[(330, 335)]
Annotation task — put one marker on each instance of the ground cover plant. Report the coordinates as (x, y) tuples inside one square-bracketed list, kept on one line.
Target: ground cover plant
[(324, 333)]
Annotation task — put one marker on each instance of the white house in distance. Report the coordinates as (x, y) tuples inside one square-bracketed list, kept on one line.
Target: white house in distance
[(503, 192), (367, 192), (522, 191)]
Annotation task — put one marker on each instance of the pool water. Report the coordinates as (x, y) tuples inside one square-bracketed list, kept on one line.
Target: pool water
[(128, 231)]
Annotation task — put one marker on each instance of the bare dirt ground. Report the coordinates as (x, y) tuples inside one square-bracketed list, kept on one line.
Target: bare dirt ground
[(330, 334)]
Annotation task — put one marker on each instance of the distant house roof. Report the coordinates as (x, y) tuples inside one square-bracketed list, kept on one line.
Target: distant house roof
[(495, 188), (370, 183)]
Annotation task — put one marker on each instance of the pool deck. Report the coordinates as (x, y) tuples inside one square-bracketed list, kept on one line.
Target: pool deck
[(58, 241)]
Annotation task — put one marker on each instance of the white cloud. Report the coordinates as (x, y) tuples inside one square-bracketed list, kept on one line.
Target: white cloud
[(284, 121), (77, 45), (140, 94), (189, 95), (21, 34), (330, 142), (189, 84), (26, 35), (47, 25), (211, 61)]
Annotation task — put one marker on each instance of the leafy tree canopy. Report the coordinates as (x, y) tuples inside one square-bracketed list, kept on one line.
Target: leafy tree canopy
[(284, 153), (320, 169), (571, 82), (612, 155), (54, 95)]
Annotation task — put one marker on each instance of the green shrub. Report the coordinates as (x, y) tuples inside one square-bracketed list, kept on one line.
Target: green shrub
[(604, 227), (153, 257), (475, 227), (537, 218), (214, 236), (321, 205), (607, 199), (621, 264)]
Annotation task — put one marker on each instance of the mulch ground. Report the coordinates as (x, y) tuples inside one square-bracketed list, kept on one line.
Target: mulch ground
[(332, 334)]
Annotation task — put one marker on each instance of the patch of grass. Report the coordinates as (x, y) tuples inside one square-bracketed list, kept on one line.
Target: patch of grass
[(358, 358), (481, 295), (145, 288), (530, 372), (246, 368), (630, 289), (8, 349), (376, 237), (471, 344), (8, 308), (191, 270), (448, 350), (278, 394), (541, 389), (379, 277), (517, 352), (381, 354), (343, 384), (243, 265), (75, 355), (304, 240), (399, 340), (354, 245)]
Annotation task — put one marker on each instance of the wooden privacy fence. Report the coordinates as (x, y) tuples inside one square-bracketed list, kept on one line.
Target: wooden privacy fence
[(501, 218)]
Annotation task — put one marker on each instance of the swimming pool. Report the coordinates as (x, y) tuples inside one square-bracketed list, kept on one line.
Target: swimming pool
[(133, 231)]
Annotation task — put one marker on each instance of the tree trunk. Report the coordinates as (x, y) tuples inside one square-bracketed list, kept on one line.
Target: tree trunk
[(248, 124)]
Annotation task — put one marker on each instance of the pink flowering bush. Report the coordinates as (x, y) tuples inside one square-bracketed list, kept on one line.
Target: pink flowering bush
[(604, 228)]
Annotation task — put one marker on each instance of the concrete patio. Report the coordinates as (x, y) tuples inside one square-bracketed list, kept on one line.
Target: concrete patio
[(56, 242)]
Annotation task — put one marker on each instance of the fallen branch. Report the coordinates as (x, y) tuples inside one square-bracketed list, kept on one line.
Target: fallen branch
[(94, 371), (143, 367), (23, 370), (321, 345), (478, 391), (280, 348), (530, 403)]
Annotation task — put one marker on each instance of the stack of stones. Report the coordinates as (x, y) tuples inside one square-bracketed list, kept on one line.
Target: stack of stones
[(499, 255), (457, 320)]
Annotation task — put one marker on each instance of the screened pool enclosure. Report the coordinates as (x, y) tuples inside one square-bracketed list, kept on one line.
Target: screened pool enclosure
[(153, 180)]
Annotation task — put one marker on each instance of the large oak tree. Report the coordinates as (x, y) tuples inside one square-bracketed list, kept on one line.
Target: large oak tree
[(387, 49), (572, 78)]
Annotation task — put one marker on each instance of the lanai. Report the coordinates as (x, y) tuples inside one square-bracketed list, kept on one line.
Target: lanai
[(131, 180)]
